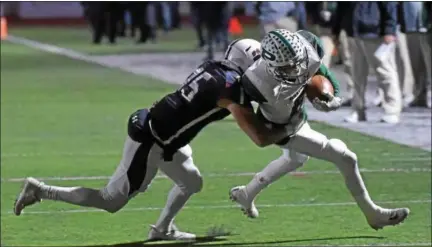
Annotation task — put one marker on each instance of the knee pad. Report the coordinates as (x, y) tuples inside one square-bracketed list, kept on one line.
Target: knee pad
[(340, 153), (193, 183), (114, 208), (294, 159), (299, 158), (289, 161), (113, 203)]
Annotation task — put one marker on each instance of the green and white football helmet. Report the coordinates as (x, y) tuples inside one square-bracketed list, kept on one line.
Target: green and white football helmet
[(285, 56)]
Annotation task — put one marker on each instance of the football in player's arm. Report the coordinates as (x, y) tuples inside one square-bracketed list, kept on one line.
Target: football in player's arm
[(334, 101)]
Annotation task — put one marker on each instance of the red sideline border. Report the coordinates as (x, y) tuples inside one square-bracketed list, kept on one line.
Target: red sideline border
[(16, 21)]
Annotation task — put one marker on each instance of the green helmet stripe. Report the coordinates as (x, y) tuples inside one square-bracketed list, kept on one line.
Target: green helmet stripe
[(285, 41), (314, 40)]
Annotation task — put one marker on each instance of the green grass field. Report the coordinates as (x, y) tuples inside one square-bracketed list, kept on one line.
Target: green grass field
[(65, 118), (79, 39)]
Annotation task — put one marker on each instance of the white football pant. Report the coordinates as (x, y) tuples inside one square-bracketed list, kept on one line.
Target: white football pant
[(308, 142), (137, 169)]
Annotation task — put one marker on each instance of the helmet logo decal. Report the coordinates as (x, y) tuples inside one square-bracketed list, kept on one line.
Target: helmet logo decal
[(267, 55), (256, 54)]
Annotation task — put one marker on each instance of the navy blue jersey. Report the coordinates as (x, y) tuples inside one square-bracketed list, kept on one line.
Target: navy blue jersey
[(178, 117)]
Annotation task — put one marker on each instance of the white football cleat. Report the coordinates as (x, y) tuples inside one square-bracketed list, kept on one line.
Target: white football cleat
[(355, 117), (388, 217), (390, 118), (407, 100), (377, 100), (239, 195), (28, 196), (173, 234)]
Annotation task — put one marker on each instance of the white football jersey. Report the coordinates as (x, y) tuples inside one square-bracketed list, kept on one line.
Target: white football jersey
[(282, 106)]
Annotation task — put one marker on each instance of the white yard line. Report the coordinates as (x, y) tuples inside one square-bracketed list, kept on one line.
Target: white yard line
[(236, 174), (63, 52), (204, 207)]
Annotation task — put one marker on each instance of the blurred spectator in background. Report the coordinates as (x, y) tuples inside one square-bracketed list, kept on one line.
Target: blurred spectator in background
[(286, 15), (139, 14), (151, 19), (343, 47), (197, 22), (103, 17), (175, 15), (222, 37), (131, 19), (200, 20), (211, 15), (403, 67), (250, 8), (320, 17), (85, 6), (403, 63), (300, 15), (121, 24), (416, 20), (371, 28), (166, 16), (159, 15)]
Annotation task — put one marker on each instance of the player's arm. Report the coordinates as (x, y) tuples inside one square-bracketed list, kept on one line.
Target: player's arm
[(324, 71), (246, 119), (319, 48)]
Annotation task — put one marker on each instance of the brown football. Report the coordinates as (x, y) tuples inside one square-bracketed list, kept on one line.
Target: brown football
[(317, 87)]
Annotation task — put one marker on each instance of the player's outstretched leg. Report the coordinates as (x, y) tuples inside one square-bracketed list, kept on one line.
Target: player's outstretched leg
[(123, 185), (317, 145), (188, 181), (245, 195)]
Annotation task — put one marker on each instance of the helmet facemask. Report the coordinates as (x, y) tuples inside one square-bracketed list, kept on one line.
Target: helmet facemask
[(287, 62), (291, 73), (292, 78)]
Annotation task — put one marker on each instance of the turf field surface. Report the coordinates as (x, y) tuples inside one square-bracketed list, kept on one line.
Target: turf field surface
[(65, 121)]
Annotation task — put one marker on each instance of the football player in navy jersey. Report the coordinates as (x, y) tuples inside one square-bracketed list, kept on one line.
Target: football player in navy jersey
[(159, 137)]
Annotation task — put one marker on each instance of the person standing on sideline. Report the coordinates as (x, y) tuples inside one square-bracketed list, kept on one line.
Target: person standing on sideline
[(104, 17), (371, 28), (197, 22), (212, 15), (321, 16), (415, 19)]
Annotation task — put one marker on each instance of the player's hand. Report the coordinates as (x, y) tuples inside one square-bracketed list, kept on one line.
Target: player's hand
[(389, 38), (333, 103)]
